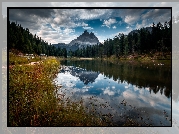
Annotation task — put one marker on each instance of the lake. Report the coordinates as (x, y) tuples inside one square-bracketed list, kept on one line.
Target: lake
[(126, 93)]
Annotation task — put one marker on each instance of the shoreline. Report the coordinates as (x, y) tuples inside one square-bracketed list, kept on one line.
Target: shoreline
[(86, 58), (34, 88), (133, 61)]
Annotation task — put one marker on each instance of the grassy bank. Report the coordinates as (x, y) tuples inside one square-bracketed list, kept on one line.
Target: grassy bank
[(76, 58), (155, 58), (146, 59), (33, 101)]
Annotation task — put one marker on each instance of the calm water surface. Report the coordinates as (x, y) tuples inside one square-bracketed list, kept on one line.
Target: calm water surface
[(121, 92)]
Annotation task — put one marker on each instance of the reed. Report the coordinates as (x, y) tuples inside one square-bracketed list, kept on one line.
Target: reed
[(33, 100)]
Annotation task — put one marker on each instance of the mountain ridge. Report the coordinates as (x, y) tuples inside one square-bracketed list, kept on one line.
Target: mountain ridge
[(84, 40), (87, 39)]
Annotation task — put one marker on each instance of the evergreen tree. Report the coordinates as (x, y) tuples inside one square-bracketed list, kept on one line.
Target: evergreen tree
[(126, 46), (140, 42)]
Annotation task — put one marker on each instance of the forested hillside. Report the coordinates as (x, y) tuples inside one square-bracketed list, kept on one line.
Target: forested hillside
[(140, 42), (21, 39)]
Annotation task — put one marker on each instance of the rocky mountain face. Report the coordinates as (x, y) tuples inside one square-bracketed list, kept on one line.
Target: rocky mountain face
[(84, 40)]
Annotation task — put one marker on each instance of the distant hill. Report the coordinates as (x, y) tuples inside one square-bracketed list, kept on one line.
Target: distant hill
[(136, 31), (84, 40)]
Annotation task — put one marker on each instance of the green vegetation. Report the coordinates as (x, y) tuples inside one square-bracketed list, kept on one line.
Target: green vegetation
[(34, 102), (144, 59), (145, 41), (14, 59), (21, 39), (17, 60)]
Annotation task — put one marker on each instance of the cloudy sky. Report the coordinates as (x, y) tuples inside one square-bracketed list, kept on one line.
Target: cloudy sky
[(64, 25)]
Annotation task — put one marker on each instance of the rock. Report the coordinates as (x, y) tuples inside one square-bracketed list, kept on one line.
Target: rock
[(84, 40)]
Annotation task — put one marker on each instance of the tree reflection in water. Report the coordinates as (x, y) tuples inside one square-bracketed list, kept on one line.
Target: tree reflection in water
[(156, 77), (125, 93)]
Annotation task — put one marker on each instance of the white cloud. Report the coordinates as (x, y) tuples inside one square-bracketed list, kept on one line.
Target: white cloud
[(64, 21), (88, 28), (109, 22), (84, 90), (143, 24), (47, 34), (89, 14), (58, 20), (67, 80), (142, 91), (84, 24), (147, 88), (56, 27), (67, 17), (102, 38), (126, 86), (125, 32), (131, 19), (108, 91), (55, 34), (68, 31), (156, 15), (135, 88), (129, 94), (152, 98), (80, 14), (114, 27), (70, 19)]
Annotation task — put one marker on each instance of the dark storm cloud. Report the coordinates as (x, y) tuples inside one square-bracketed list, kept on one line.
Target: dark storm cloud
[(23, 14), (30, 18)]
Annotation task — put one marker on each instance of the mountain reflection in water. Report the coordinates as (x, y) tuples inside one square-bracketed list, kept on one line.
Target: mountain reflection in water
[(85, 76), (124, 91)]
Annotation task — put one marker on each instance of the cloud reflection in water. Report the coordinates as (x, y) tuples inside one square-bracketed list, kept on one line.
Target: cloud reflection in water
[(95, 87)]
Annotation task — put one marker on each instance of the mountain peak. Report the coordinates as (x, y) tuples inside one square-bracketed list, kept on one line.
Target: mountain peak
[(85, 39), (85, 31)]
